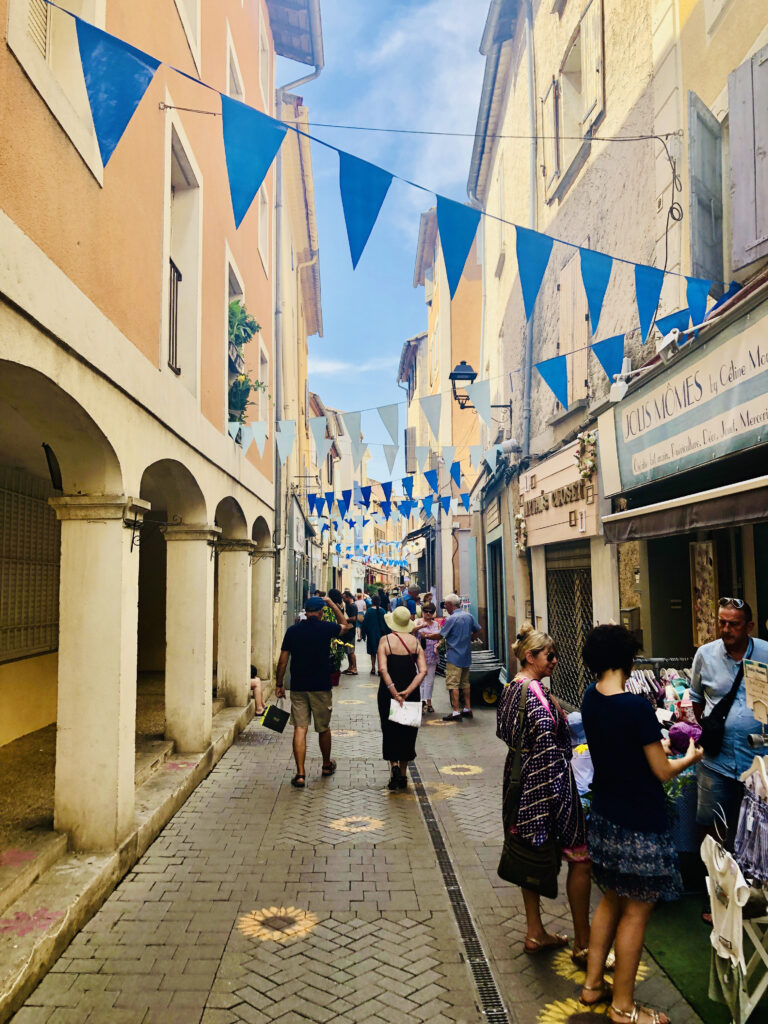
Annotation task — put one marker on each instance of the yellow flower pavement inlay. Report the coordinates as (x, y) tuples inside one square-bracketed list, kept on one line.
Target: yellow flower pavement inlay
[(277, 924), (569, 1011), (357, 823), (439, 722), (461, 769), (351, 702), (566, 968), (344, 733)]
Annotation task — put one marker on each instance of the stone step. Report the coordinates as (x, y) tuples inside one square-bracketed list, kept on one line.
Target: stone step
[(150, 755), (23, 859)]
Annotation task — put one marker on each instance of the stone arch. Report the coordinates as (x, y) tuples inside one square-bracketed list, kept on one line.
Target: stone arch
[(260, 533), (171, 488), (231, 518), (262, 599)]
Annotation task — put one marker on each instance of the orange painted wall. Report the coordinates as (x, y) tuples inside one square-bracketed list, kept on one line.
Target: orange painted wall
[(466, 313), (108, 240)]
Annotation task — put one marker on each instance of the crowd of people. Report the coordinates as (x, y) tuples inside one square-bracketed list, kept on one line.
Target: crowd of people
[(626, 844)]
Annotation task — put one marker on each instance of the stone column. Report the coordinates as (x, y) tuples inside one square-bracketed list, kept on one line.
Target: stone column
[(98, 612), (189, 635), (262, 614), (233, 655)]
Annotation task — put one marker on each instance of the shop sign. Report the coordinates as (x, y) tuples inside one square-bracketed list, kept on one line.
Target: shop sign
[(557, 503), (299, 530), (709, 405)]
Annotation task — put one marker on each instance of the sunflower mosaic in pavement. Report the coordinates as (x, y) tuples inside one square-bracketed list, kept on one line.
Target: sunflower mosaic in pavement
[(277, 924), (357, 824), (461, 769)]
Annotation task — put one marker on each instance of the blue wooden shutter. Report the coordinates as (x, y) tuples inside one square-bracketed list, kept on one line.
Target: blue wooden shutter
[(748, 117), (705, 178)]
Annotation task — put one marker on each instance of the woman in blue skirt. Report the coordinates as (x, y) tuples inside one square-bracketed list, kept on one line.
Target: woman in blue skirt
[(630, 844)]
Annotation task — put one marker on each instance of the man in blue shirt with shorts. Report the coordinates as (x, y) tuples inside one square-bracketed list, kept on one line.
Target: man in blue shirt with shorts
[(459, 630)]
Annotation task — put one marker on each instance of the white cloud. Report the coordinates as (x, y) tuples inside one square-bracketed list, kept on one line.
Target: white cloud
[(320, 367)]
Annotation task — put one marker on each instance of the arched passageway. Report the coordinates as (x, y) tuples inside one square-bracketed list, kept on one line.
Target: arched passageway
[(262, 599), (233, 604)]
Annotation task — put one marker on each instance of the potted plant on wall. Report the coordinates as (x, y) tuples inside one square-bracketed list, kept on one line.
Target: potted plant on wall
[(241, 329)]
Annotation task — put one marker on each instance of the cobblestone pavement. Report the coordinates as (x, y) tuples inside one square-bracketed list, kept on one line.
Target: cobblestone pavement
[(262, 903)]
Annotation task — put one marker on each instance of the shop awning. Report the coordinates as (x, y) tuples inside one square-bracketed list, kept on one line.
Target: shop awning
[(734, 505)]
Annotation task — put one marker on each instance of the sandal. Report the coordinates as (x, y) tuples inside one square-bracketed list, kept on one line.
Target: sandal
[(299, 781), (553, 942), (605, 994), (579, 957), (349, 672), (328, 769), (633, 1015)]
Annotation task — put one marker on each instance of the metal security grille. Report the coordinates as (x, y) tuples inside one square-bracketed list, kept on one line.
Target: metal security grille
[(29, 567), (569, 606)]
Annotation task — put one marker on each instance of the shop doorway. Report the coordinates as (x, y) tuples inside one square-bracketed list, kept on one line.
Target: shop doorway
[(496, 607), (569, 613)]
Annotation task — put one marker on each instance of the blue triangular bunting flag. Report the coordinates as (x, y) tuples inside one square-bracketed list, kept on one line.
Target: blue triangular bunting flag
[(554, 373), (679, 320), (329, 499), (363, 187), (387, 489), (319, 504), (457, 224), (533, 251), (386, 508), (366, 496), (446, 503), (595, 275), (347, 496), (431, 477), (251, 142), (427, 504), (342, 507), (696, 293), (116, 77), (456, 473), (610, 355), (648, 284), (311, 499), (465, 501), (408, 485)]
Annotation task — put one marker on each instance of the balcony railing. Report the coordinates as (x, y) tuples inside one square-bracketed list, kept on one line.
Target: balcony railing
[(173, 321)]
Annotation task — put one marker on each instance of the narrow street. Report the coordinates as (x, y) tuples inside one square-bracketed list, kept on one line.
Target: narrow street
[(262, 903)]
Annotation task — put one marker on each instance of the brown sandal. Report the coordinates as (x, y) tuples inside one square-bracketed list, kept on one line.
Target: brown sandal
[(556, 942)]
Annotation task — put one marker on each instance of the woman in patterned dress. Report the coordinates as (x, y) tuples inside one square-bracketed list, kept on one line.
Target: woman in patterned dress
[(549, 801)]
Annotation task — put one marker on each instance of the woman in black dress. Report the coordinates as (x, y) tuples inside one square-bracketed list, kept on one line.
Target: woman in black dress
[(373, 629), (401, 669)]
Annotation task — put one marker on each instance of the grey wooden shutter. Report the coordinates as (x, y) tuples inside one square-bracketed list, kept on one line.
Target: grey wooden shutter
[(748, 117), (550, 142), (705, 178), (592, 65), (410, 449)]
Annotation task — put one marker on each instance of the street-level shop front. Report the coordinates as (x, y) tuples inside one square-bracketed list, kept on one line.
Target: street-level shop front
[(574, 572), (684, 458)]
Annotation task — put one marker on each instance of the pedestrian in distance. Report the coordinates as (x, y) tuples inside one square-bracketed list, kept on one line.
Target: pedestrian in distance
[(549, 805), (716, 666), (373, 629), (307, 645), (350, 610), (459, 629), (631, 846), (401, 670), (362, 608), (424, 626)]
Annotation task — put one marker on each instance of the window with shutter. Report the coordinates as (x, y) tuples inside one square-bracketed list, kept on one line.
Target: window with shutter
[(705, 178), (592, 87), (410, 449), (37, 25), (550, 131), (748, 120), (29, 567)]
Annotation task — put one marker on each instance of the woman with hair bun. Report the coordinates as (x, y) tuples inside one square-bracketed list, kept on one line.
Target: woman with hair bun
[(549, 802), (629, 839)]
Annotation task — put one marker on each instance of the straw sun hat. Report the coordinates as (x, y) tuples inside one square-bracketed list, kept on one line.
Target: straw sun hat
[(399, 621)]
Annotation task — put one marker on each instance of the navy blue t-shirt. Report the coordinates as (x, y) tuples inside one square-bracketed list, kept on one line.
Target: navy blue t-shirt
[(624, 790), (309, 644)]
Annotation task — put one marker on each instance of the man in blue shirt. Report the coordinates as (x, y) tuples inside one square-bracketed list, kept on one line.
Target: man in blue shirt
[(459, 630), (715, 667)]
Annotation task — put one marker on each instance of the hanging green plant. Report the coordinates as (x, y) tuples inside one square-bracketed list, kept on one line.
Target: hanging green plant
[(241, 329)]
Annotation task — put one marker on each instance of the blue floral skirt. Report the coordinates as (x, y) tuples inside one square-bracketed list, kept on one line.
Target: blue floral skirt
[(638, 865)]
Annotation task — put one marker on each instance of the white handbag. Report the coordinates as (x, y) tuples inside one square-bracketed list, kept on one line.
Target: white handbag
[(407, 713)]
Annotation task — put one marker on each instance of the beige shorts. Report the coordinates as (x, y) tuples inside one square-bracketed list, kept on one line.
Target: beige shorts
[(456, 678), (311, 705)]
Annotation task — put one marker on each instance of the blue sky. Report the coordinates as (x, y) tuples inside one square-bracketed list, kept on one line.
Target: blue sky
[(388, 63)]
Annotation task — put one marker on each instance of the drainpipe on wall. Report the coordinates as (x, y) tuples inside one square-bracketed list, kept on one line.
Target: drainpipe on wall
[(528, 372), (281, 535)]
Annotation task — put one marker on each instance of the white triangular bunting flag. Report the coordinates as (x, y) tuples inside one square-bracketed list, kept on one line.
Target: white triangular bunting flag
[(449, 451), (422, 454), (390, 417), (246, 438), (259, 430), (480, 396), (318, 425), (475, 455), (390, 454), (284, 438), (430, 405), (233, 426)]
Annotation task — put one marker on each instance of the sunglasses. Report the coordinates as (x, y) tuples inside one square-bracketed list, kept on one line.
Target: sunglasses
[(735, 601), (550, 655)]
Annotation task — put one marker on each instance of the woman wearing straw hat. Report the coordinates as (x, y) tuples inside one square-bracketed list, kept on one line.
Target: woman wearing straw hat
[(401, 669)]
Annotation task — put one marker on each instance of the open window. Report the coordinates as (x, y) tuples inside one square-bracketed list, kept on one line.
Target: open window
[(189, 16), (235, 87)]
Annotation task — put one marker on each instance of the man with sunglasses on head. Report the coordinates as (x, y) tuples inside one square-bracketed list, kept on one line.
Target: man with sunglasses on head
[(715, 669)]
